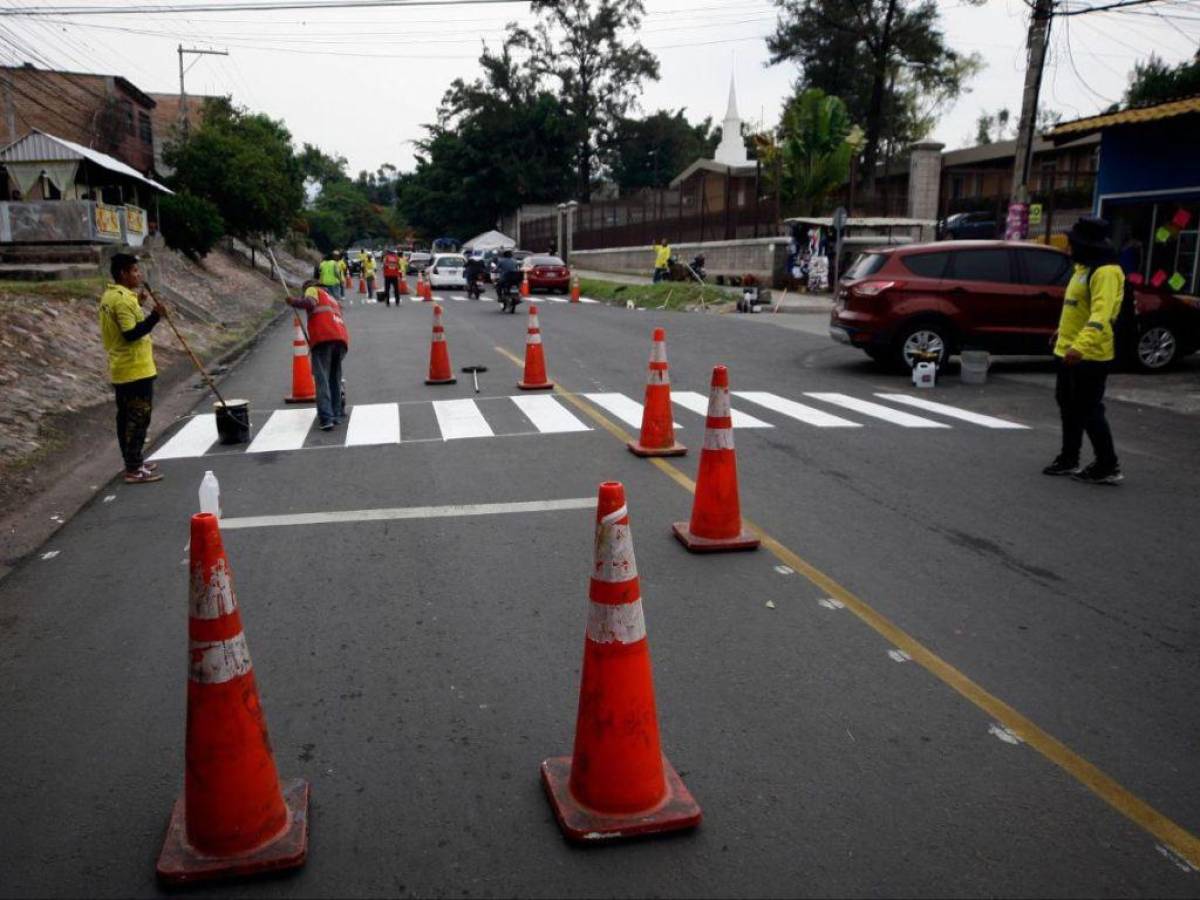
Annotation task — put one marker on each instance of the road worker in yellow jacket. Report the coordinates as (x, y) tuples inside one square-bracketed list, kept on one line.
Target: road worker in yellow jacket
[(662, 260), (1085, 348)]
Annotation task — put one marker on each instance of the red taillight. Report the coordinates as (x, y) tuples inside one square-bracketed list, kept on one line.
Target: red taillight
[(873, 288)]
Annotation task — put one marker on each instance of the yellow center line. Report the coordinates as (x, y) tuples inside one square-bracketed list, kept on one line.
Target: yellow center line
[(1175, 836)]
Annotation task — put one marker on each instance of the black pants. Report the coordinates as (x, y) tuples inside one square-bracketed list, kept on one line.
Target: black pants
[(1079, 391), (391, 285), (134, 402)]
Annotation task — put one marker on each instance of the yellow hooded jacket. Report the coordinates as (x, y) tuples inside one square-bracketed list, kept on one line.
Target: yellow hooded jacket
[(1090, 307)]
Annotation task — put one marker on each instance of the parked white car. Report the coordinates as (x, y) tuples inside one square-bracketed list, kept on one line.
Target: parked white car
[(446, 271)]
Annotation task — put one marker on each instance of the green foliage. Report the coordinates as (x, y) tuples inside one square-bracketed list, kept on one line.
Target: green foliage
[(189, 223), (816, 146), (245, 165), (578, 50), (649, 152), (887, 59), (1153, 81), (664, 295)]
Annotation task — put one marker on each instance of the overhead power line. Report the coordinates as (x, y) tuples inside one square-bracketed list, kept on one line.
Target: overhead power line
[(235, 6), (1105, 7)]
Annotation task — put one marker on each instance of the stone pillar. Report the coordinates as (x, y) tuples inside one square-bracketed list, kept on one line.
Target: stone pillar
[(924, 183), (569, 246), (560, 239)]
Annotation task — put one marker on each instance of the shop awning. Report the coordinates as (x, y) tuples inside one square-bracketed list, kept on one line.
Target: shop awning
[(39, 152)]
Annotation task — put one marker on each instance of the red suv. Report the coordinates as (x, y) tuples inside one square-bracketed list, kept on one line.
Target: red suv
[(992, 295)]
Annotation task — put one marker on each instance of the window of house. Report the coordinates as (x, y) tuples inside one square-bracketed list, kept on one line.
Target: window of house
[(1048, 170), (127, 116), (145, 130)]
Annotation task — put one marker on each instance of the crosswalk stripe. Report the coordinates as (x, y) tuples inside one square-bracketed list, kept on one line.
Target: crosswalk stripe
[(460, 419), (373, 423), (627, 410), (285, 430), (952, 412), (587, 300), (193, 439), (698, 403), (548, 415), (794, 410), (876, 410)]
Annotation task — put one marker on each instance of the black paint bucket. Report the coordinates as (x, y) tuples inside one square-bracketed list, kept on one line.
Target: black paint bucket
[(233, 421)]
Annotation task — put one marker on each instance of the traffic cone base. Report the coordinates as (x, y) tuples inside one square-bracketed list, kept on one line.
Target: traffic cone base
[(676, 449), (180, 863), (745, 540), (543, 386), (677, 811), (441, 381)]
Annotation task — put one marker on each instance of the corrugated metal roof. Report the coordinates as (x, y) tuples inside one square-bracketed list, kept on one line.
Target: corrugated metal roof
[(37, 146), (1133, 116)]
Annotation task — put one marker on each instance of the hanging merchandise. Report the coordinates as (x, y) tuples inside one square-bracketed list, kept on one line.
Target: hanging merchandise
[(1176, 282), (1163, 234), (1157, 279), (1181, 219)]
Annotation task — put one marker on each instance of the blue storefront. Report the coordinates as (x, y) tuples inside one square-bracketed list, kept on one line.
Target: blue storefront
[(1148, 186)]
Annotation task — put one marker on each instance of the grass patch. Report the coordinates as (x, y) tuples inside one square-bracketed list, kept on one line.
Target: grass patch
[(67, 289), (664, 295)]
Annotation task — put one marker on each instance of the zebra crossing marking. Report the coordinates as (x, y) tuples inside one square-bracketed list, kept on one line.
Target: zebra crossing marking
[(460, 419), (193, 439), (285, 430), (875, 410), (373, 423), (953, 412), (548, 415), (627, 410), (698, 403), (799, 411)]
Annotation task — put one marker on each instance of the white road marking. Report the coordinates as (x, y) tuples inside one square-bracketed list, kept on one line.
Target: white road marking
[(698, 403), (831, 603), (548, 415), (1182, 864), (627, 410), (285, 430), (953, 412), (899, 656), (785, 570), (409, 512), (193, 439), (460, 419), (1004, 733), (110, 498), (373, 423), (587, 300), (877, 410), (50, 554), (793, 410)]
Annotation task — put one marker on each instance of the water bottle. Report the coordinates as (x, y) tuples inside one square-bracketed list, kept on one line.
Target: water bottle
[(210, 494)]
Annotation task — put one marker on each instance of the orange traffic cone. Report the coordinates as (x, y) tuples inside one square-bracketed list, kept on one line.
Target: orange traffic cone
[(658, 425), (362, 285), (535, 361), (304, 389), (402, 289), (234, 817), (525, 285), (440, 371), (575, 289), (617, 782), (716, 513), (348, 282)]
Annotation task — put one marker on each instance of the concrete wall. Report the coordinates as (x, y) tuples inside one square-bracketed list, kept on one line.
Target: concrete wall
[(764, 258), (924, 183), (71, 221)]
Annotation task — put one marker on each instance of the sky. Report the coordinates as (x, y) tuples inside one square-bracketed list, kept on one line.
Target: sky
[(360, 82)]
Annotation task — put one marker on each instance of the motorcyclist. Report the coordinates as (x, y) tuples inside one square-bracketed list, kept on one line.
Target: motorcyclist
[(508, 274), (473, 274)]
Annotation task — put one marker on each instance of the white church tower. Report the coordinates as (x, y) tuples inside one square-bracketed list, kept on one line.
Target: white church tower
[(732, 150)]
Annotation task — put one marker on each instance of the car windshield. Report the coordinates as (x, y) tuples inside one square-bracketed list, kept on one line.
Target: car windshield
[(547, 261), (451, 261), (866, 264)]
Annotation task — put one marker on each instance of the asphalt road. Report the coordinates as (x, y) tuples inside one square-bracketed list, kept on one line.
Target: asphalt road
[(1039, 739)]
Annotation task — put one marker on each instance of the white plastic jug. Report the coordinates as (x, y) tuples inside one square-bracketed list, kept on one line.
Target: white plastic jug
[(210, 494), (924, 374)]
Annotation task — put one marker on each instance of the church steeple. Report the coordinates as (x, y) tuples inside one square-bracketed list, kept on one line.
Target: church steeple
[(732, 150)]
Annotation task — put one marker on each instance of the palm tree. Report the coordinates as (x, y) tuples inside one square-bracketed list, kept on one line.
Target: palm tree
[(817, 142)]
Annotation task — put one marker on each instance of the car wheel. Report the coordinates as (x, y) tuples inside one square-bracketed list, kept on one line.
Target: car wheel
[(1157, 347), (923, 337)]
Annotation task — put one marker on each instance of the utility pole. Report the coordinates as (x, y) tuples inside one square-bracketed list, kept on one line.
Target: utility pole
[(183, 116), (1017, 226)]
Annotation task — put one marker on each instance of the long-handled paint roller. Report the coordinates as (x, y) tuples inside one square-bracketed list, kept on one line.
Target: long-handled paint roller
[(195, 360), (475, 370)]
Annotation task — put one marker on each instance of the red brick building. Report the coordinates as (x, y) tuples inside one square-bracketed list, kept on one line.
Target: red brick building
[(102, 112)]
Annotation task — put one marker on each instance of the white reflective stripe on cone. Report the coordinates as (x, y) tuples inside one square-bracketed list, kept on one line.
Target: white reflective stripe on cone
[(658, 352), (621, 623), (657, 376), (438, 337), (213, 598), (216, 662), (299, 350), (533, 339), (614, 559), (718, 439), (718, 403)]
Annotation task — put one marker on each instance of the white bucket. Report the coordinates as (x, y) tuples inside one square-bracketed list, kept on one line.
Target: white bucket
[(974, 366), (924, 374)]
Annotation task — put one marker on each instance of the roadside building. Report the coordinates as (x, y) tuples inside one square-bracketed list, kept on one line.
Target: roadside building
[(1148, 186), (101, 112), (168, 117)]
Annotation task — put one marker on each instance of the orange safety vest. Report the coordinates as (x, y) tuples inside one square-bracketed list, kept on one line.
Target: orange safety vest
[(391, 265), (325, 322)]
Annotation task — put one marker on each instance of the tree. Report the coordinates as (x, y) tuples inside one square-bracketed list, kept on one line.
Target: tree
[(992, 127), (579, 49), (649, 152), (888, 60), (190, 224), (245, 165), (1153, 81), (816, 142)]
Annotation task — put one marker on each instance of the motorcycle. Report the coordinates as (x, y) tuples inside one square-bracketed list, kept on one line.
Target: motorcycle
[(475, 286), (507, 295)]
